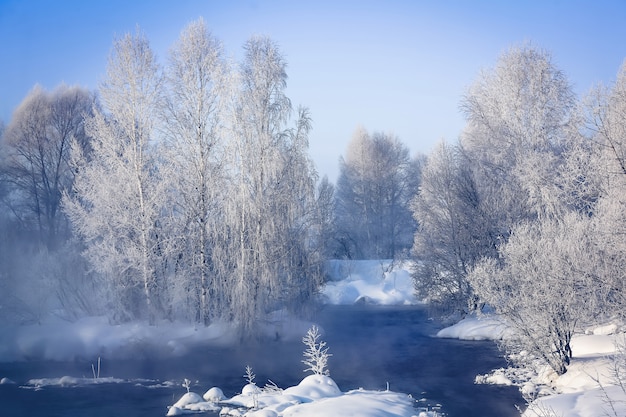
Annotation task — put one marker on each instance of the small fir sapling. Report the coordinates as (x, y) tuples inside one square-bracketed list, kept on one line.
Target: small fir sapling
[(316, 355)]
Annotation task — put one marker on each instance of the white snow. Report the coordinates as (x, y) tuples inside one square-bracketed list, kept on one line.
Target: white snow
[(476, 327), (214, 395), (314, 396), (589, 388), (371, 282)]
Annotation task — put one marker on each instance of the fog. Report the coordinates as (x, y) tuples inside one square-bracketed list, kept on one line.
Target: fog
[(371, 346)]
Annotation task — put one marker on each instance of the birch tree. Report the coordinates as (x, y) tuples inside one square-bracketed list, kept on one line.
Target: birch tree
[(197, 80), (116, 201), (271, 193)]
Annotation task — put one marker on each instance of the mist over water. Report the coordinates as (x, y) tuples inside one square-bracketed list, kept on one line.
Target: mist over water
[(371, 346)]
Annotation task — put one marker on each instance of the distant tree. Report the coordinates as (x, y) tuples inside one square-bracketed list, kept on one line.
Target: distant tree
[(196, 81), (37, 153), (373, 194), (453, 232), (325, 221), (116, 202)]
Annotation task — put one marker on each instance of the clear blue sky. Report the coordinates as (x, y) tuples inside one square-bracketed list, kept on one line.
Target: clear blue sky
[(393, 66)]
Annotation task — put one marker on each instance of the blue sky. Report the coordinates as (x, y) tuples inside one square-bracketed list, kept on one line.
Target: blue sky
[(394, 66)]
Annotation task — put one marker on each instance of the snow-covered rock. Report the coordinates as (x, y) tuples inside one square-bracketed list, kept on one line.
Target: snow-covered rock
[(250, 389), (214, 395), (186, 399), (314, 387)]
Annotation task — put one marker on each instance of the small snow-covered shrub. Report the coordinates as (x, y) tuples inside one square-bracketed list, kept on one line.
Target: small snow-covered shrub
[(316, 355)]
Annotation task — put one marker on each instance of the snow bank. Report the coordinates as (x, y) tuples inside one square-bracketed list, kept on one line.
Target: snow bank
[(314, 396), (589, 388), (476, 327), (372, 282)]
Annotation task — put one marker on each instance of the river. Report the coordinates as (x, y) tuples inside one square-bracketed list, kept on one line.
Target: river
[(371, 347)]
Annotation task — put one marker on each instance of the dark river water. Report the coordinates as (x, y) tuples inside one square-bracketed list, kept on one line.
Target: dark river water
[(371, 346)]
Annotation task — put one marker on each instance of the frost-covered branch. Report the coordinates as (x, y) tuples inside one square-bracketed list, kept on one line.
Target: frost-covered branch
[(316, 355)]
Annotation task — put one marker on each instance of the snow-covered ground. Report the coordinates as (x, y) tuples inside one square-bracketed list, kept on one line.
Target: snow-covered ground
[(591, 386), (371, 282)]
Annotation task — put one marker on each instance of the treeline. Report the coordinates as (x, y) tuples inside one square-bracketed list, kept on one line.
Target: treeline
[(185, 191), (527, 212), (177, 191), (106, 215)]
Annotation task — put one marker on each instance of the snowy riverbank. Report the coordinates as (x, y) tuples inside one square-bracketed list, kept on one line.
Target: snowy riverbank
[(589, 388), (350, 282)]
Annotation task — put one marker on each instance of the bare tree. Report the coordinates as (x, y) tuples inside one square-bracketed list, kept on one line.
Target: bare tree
[(453, 231), (37, 145)]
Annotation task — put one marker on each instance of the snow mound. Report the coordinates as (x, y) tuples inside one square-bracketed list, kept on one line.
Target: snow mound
[(214, 395), (589, 403), (369, 282), (250, 389), (476, 327), (191, 402), (188, 398), (314, 387), (314, 396)]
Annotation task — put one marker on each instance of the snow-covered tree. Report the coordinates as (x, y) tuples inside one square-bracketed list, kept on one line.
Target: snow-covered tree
[(325, 220), (373, 195), (544, 286), (509, 168), (453, 231), (117, 201), (605, 182), (271, 194), (316, 354), (196, 80), (520, 115)]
